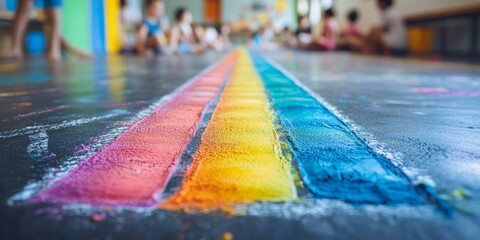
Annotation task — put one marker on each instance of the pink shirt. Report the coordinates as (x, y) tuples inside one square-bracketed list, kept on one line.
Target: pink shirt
[(353, 30), (330, 34)]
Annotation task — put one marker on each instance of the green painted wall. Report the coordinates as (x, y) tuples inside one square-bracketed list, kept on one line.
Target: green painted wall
[(76, 23), (195, 6)]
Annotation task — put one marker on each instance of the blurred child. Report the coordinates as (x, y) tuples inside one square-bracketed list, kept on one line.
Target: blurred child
[(151, 36), (56, 43), (269, 31), (328, 40), (261, 40), (225, 31), (352, 38), (304, 32), (209, 37), (258, 38), (391, 36), (182, 36), (352, 27), (130, 20), (287, 38)]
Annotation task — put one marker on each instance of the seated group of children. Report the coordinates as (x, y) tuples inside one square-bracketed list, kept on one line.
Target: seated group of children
[(181, 38), (388, 38)]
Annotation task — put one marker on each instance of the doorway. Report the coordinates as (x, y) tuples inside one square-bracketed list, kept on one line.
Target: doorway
[(212, 10)]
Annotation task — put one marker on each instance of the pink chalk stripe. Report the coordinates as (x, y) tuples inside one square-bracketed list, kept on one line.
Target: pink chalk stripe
[(138, 164)]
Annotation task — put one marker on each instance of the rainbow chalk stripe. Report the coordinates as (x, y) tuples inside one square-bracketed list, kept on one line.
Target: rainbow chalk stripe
[(239, 159), (137, 165), (332, 160), (240, 156)]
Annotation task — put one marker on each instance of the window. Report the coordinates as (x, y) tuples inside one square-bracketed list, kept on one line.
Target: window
[(313, 9), (303, 7)]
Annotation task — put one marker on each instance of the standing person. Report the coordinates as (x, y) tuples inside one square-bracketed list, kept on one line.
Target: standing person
[(52, 19), (391, 36), (151, 35)]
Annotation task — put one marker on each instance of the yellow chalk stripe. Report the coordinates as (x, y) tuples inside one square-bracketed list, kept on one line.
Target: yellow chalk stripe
[(239, 158)]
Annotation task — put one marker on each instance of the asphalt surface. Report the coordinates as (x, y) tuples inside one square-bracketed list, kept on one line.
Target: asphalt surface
[(424, 116)]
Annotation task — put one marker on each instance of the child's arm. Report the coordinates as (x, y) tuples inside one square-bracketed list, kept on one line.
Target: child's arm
[(142, 35), (174, 38)]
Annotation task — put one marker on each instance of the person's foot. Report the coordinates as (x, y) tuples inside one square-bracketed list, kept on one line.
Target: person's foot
[(54, 56), (13, 54)]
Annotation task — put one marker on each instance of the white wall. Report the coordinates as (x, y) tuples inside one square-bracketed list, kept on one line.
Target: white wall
[(232, 10), (369, 13)]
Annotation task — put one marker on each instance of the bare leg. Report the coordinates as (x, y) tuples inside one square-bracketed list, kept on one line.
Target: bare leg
[(381, 47), (375, 43), (354, 43), (174, 37), (54, 38), (370, 42), (19, 26)]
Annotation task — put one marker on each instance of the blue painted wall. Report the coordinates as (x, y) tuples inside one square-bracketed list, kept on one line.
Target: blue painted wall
[(98, 26)]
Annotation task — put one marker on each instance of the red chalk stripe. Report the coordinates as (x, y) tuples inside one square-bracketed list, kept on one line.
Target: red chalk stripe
[(140, 161)]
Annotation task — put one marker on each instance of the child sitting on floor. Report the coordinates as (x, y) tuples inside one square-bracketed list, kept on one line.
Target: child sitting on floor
[(209, 37), (352, 38), (287, 38), (352, 27), (151, 36), (391, 36), (304, 32), (328, 40), (183, 37)]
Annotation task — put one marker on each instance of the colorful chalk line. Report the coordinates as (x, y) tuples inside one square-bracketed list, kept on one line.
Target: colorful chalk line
[(253, 133)]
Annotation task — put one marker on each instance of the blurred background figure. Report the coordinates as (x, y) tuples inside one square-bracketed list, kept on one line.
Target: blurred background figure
[(287, 37), (210, 38), (391, 36), (352, 26), (56, 43), (102, 27), (151, 36), (264, 38), (304, 32), (183, 38), (330, 31), (130, 20), (352, 38), (226, 30)]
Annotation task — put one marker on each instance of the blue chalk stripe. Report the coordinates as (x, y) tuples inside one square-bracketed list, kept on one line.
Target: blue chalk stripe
[(333, 162)]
